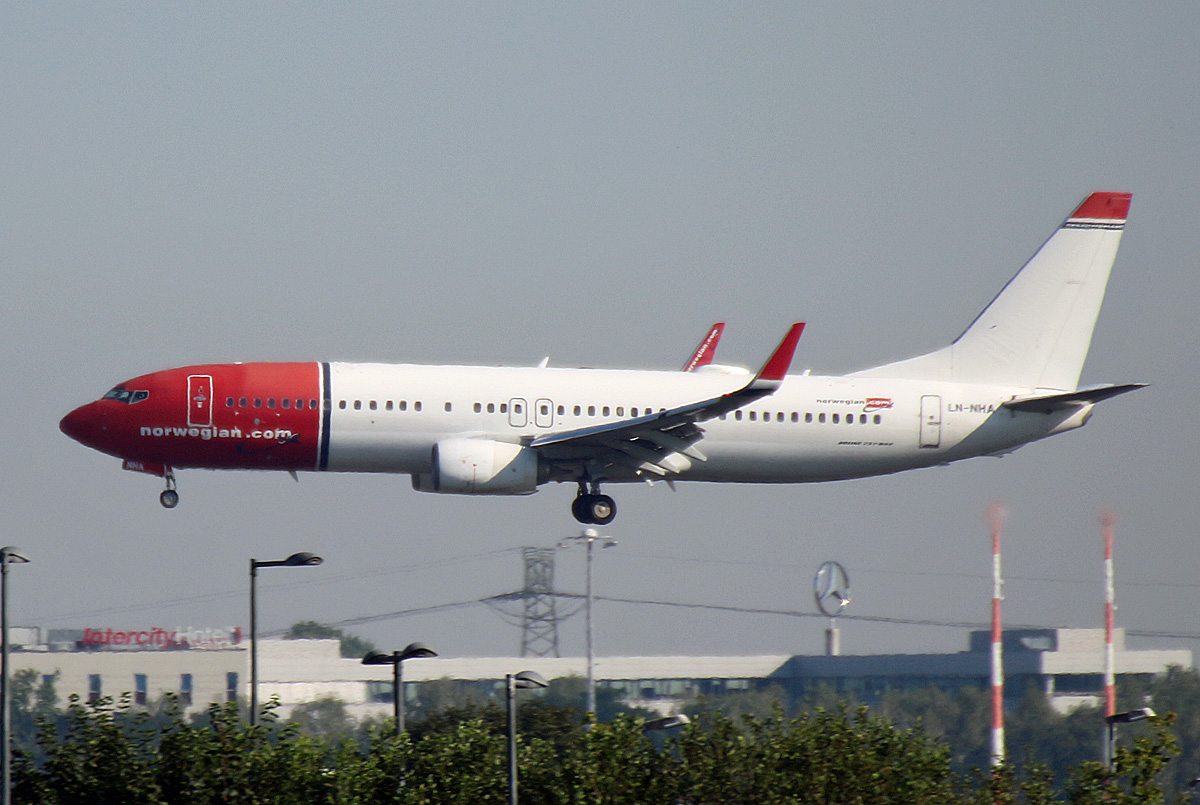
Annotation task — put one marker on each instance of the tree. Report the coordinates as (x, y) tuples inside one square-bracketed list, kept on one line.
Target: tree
[(325, 718), (351, 644)]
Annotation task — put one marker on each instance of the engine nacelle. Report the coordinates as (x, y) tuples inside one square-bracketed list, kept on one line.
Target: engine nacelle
[(480, 467)]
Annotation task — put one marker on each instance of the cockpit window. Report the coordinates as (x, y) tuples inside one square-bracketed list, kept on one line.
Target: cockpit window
[(121, 394)]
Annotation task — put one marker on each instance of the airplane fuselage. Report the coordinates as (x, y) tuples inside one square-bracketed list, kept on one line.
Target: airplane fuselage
[(354, 417)]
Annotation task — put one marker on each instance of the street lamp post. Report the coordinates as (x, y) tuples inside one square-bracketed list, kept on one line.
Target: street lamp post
[(589, 537), (396, 660), (523, 679), (1112, 721), (302, 559), (8, 555)]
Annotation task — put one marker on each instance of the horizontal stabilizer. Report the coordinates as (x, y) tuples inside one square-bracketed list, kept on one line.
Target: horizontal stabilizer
[(1049, 403)]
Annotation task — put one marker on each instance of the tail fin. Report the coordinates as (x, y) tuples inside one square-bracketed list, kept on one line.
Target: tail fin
[(1037, 331)]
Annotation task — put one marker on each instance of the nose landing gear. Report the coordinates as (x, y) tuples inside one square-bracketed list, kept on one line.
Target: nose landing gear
[(169, 497), (593, 508)]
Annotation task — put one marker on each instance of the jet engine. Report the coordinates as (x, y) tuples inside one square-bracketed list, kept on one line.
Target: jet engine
[(480, 467)]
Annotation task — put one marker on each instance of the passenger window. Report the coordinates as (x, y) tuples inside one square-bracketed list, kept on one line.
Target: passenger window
[(491, 408), (878, 419), (591, 410), (633, 412), (518, 408), (576, 410), (504, 408), (753, 416), (862, 419), (795, 417), (285, 403), (258, 402), (448, 407), (228, 402), (342, 404), (604, 411), (620, 411), (358, 405), (779, 417), (835, 419), (374, 406), (562, 409), (723, 416), (312, 404), (737, 415), (389, 405), (479, 408), (808, 417), (270, 402), (417, 406), (242, 402), (404, 405), (545, 410), (821, 418)]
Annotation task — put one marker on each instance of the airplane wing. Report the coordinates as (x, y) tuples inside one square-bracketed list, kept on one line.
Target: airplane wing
[(664, 442), (1048, 403), (707, 348)]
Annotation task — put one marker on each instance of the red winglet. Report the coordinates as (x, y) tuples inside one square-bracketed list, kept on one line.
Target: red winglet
[(704, 353), (777, 365), (1105, 206)]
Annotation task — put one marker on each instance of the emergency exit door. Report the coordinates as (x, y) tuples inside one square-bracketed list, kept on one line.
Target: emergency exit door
[(931, 421), (199, 401)]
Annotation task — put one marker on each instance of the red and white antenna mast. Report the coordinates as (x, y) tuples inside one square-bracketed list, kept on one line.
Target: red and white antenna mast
[(996, 520), (1110, 676)]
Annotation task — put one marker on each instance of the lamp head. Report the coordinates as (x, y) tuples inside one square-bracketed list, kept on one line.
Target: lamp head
[(416, 651), (378, 658), (667, 722), (1141, 714), (11, 554), (303, 558), (529, 679)]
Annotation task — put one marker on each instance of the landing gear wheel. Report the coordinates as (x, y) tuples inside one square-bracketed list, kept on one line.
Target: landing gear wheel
[(594, 509), (579, 509), (601, 509), (169, 497)]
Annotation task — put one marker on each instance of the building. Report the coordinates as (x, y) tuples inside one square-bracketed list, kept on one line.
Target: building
[(205, 666)]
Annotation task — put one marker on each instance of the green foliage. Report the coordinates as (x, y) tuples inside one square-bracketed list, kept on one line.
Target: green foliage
[(113, 753), (760, 703), (351, 644)]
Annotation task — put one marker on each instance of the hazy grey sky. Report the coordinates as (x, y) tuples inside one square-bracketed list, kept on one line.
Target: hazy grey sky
[(494, 183)]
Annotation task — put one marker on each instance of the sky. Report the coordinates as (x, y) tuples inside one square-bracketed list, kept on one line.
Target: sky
[(495, 183)]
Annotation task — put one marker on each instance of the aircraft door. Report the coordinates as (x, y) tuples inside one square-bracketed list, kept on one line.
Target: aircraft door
[(518, 416), (543, 413), (931, 421), (200, 397)]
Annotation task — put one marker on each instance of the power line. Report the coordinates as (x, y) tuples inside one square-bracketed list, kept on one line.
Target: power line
[(320, 579), (791, 613), (634, 555)]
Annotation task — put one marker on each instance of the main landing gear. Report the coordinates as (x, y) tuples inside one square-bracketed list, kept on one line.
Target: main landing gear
[(169, 497), (592, 507)]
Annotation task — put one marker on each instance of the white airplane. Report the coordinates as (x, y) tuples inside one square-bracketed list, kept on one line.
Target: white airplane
[(1010, 379)]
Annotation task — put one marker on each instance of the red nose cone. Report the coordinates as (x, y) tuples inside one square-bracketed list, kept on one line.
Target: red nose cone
[(80, 424)]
